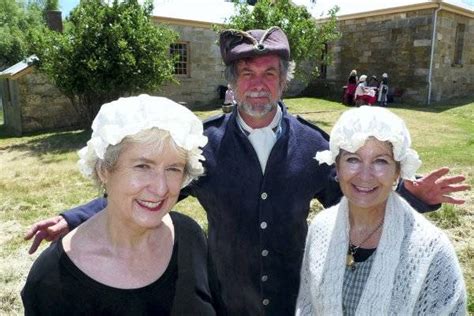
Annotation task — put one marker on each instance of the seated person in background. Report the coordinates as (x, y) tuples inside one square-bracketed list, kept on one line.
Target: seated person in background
[(134, 257), (364, 94), (373, 254), (373, 82)]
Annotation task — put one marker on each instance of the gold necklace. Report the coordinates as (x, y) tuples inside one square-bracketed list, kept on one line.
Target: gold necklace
[(351, 251)]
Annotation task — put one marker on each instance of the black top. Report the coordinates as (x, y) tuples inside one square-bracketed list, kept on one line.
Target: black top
[(362, 254), (56, 286)]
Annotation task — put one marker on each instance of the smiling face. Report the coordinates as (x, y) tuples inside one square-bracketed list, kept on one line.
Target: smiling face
[(144, 183), (258, 86), (366, 176)]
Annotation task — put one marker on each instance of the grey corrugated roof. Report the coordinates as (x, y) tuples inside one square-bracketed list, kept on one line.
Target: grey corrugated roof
[(19, 67)]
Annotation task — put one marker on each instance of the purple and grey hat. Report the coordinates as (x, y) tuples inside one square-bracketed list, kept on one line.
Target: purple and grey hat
[(236, 44)]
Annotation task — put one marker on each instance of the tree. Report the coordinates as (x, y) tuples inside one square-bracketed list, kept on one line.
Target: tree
[(306, 37), (106, 51), (18, 21)]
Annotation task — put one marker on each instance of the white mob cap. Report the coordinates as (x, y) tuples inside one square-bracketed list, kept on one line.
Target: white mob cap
[(128, 116), (356, 125)]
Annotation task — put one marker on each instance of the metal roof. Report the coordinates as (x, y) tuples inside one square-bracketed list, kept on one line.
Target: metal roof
[(19, 67)]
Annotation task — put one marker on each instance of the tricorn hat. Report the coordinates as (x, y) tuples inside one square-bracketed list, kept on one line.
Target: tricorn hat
[(237, 44)]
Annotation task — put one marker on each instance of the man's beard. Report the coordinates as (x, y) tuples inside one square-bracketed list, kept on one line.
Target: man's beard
[(263, 109)]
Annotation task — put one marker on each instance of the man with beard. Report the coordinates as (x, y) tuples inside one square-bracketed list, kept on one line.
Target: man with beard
[(260, 177)]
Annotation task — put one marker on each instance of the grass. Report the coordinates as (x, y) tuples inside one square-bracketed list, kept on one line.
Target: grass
[(39, 178)]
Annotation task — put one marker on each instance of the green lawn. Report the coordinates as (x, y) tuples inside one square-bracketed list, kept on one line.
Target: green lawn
[(39, 178)]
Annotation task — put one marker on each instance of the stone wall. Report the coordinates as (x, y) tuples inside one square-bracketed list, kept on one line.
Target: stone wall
[(400, 45), (200, 87), (452, 80), (42, 105)]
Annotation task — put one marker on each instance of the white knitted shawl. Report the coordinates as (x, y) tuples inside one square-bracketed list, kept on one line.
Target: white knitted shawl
[(415, 269)]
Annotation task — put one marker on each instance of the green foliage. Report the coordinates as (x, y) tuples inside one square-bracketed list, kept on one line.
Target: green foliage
[(306, 37), (18, 22), (52, 5), (105, 52)]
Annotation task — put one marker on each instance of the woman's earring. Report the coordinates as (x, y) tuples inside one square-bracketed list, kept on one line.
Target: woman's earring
[(336, 178), (395, 184), (104, 190)]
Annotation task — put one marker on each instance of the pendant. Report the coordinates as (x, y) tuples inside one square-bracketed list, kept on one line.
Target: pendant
[(350, 260)]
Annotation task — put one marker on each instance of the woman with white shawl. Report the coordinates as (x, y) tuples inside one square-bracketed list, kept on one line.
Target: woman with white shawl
[(372, 254)]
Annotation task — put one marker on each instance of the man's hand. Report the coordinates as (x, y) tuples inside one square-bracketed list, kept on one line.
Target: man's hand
[(434, 188), (49, 229)]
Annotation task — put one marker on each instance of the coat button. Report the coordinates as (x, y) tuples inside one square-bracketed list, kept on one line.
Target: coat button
[(264, 196), (266, 301), (263, 225), (264, 252), (264, 278)]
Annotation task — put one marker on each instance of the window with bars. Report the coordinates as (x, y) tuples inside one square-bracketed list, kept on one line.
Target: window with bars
[(459, 44), (323, 71), (181, 65)]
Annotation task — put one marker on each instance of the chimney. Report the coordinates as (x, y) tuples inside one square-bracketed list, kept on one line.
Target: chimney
[(54, 20)]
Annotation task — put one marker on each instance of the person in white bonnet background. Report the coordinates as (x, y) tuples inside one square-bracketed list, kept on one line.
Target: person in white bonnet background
[(373, 254), (134, 257)]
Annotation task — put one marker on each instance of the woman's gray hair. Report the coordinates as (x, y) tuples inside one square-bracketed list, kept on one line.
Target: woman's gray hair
[(158, 137), (287, 70)]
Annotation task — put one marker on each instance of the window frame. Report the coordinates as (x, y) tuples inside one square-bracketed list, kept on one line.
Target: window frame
[(182, 67), (459, 44)]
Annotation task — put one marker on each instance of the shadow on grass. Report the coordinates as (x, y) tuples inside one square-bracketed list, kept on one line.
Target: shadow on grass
[(48, 142), (435, 107)]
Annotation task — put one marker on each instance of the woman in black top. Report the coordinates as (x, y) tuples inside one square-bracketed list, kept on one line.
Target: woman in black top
[(133, 258)]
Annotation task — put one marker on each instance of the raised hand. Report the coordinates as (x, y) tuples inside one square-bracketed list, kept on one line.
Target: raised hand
[(49, 229), (436, 187)]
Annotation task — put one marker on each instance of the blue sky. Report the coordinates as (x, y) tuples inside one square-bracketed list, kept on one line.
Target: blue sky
[(67, 5)]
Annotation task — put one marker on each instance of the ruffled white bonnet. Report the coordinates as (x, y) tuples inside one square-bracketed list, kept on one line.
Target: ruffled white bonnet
[(356, 125), (128, 116)]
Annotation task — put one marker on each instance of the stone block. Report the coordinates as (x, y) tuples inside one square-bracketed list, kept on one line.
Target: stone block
[(421, 42), (378, 39), (421, 72)]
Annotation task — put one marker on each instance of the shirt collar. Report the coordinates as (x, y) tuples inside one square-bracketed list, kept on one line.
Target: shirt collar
[(275, 124)]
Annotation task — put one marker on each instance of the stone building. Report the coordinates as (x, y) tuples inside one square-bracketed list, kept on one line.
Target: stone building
[(200, 71), (399, 41), (393, 36), (31, 103)]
